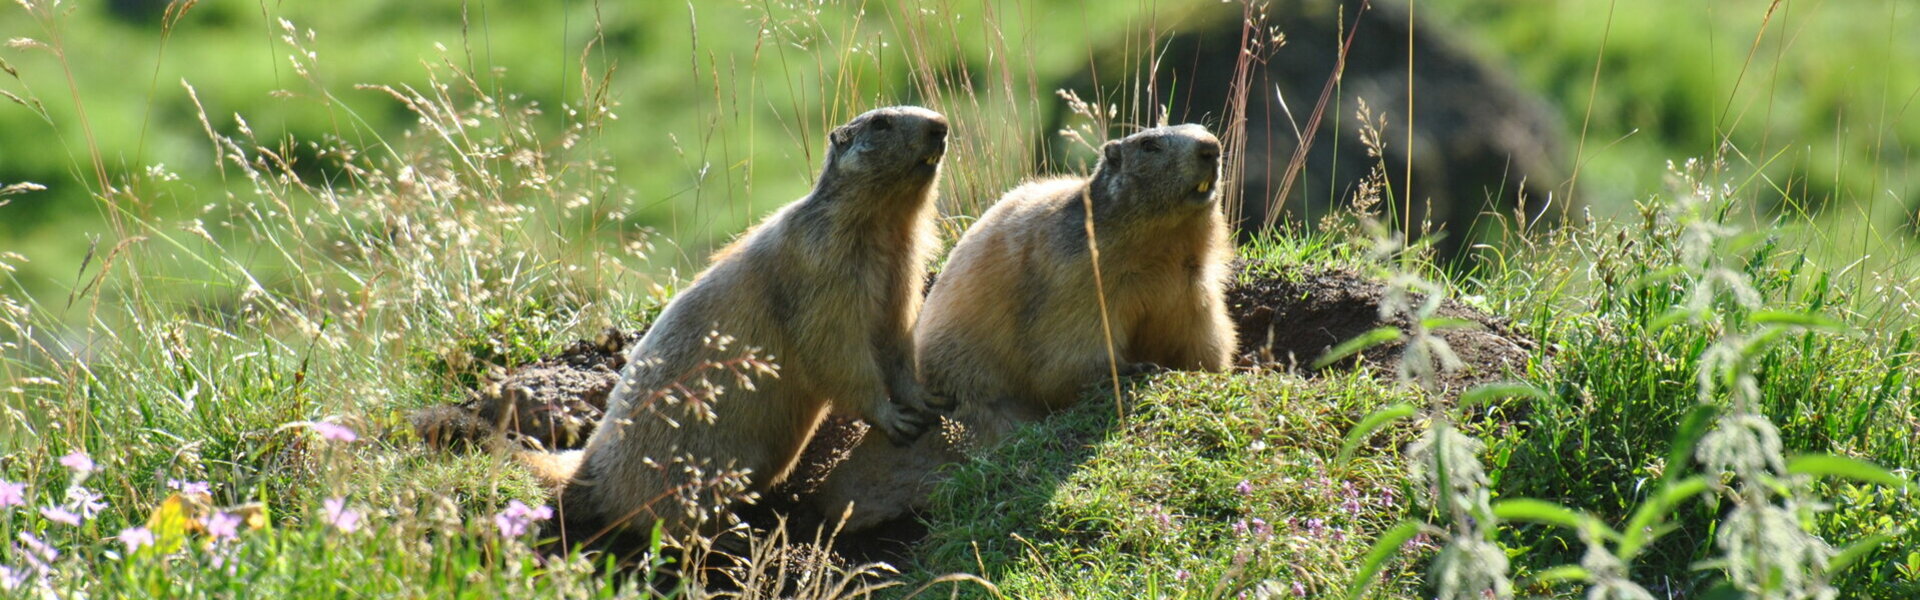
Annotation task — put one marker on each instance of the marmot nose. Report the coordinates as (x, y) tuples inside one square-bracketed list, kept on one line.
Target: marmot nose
[(938, 130), (1209, 151)]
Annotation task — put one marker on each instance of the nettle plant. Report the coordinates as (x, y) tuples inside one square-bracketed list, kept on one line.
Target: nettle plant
[(1726, 451)]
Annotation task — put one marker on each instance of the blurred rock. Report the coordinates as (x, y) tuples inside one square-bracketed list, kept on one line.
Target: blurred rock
[(1481, 143)]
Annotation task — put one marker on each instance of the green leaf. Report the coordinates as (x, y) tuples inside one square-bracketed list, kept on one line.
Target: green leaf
[(1656, 276), (1855, 551), (1675, 316), (1359, 343), (1641, 526), (1367, 427), (1541, 511), (1724, 591), (1562, 573), (1494, 391), (1445, 323), (1692, 427), (1383, 549), (1794, 319), (1828, 465)]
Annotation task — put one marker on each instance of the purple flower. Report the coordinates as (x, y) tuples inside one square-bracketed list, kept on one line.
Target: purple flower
[(513, 521), (12, 494), (1261, 529), (1316, 526), (1182, 575), (38, 550), (11, 579), (1351, 505), (60, 515), (190, 487), (341, 518), (1245, 488), (335, 432), (223, 526), (84, 501), (79, 462), (1299, 589), (136, 538), (1240, 527)]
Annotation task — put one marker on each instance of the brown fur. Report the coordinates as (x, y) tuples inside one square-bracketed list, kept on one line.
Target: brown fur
[(828, 287), (1012, 329)]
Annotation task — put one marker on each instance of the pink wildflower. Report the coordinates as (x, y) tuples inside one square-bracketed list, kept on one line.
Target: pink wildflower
[(136, 538), (190, 487), (1245, 488), (341, 518), (60, 515), (515, 519), (223, 526), (79, 462), (12, 494), (335, 432)]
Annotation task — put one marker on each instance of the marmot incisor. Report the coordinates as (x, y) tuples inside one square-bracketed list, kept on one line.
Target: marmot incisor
[(1012, 329), (828, 286)]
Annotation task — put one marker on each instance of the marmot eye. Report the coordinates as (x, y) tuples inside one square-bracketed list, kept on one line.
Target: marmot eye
[(1149, 145), (881, 124)]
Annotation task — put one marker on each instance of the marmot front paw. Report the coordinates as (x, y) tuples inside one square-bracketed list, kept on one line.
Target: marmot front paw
[(902, 424)]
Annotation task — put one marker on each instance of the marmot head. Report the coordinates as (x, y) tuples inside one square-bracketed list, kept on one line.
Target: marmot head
[(1160, 169), (889, 144)]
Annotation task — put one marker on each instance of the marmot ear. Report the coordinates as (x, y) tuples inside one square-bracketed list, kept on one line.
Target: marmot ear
[(841, 135), (1110, 154)]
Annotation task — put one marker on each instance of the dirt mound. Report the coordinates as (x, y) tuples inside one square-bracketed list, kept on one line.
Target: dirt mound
[(1286, 320), (1291, 318), (553, 403)]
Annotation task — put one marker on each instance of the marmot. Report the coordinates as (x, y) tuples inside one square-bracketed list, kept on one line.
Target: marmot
[(827, 287), (1012, 330)]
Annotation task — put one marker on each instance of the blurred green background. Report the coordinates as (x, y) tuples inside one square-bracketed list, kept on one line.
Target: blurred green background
[(721, 105)]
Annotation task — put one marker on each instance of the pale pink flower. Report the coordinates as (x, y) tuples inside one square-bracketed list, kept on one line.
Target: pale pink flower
[(60, 515), (1182, 575), (341, 518), (515, 519), (79, 462), (136, 538), (1245, 488), (190, 487), (85, 502), (12, 494), (1299, 589), (335, 432), (223, 526)]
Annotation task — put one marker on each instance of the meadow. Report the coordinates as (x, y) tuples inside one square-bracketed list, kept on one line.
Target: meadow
[(269, 232)]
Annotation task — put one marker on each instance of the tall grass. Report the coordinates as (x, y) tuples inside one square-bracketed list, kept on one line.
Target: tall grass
[(317, 269)]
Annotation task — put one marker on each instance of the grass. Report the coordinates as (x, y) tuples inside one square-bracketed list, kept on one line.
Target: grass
[(364, 268)]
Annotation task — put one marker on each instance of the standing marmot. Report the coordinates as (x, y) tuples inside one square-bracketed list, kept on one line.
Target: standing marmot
[(828, 286), (1012, 329)]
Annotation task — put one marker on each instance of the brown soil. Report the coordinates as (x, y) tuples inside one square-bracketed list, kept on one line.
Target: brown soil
[(1290, 320), (552, 404)]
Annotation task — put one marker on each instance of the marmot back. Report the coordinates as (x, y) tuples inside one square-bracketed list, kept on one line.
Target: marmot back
[(1013, 329)]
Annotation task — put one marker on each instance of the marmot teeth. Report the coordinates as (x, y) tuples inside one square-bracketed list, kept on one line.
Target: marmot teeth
[(1205, 185), (933, 160)]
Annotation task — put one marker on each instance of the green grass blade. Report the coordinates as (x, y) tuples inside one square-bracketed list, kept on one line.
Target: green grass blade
[(1641, 527), (1548, 513), (1855, 551), (1358, 344), (1384, 548), (1367, 426), (1494, 391), (1829, 465)]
